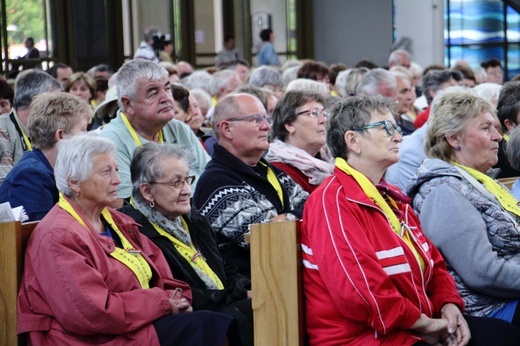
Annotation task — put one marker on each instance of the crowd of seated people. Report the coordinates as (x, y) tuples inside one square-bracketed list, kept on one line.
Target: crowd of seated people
[(408, 238)]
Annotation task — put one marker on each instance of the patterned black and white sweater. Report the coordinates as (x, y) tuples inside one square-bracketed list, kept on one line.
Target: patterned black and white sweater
[(232, 195)]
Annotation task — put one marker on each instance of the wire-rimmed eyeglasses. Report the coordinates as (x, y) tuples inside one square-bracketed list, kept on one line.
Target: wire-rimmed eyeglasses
[(179, 183), (315, 113)]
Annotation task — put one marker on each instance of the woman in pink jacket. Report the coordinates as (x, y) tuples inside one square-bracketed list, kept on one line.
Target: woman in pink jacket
[(90, 278)]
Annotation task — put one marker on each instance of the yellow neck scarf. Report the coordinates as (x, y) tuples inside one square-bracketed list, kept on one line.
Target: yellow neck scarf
[(273, 180), (190, 254), (373, 193), (128, 256), (134, 135), (504, 197), (24, 135)]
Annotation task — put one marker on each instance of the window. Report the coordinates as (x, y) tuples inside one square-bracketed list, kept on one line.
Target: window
[(478, 30), (19, 20)]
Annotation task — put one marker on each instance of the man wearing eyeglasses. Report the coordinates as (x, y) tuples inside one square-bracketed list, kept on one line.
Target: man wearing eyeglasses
[(238, 186)]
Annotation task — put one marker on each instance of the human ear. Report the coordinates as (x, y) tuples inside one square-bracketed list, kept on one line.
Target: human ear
[(146, 192), (352, 141)]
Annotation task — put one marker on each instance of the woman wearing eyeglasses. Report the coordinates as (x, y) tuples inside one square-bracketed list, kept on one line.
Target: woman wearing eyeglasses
[(299, 135), (371, 277), (161, 204)]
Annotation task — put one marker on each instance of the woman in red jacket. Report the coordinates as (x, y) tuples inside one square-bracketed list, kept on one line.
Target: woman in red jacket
[(371, 277)]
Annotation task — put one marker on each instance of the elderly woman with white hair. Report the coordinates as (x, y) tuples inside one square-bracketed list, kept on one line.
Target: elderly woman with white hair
[(161, 204), (269, 78), (91, 278)]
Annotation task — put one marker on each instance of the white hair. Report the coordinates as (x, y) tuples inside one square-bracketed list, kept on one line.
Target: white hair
[(74, 159)]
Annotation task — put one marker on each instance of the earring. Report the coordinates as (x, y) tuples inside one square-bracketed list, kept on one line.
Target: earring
[(77, 194), (359, 151), (151, 204), (459, 147)]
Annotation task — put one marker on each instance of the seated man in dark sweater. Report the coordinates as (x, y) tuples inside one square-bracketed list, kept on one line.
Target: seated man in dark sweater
[(238, 187)]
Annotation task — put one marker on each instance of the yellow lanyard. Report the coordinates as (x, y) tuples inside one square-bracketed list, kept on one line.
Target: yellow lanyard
[(504, 197), (134, 135), (190, 254), (24, 135), (373, 193), (273, 180), (129, 256)]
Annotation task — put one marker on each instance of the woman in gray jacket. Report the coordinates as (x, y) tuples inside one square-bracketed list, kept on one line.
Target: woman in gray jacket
[(468, 215)]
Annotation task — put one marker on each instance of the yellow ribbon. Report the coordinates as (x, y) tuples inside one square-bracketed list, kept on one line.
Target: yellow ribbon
[(504, 197), (128, 255), (134, 135), (190, 254), (506, 137), (373, 193), (24, 135), (273, 180)]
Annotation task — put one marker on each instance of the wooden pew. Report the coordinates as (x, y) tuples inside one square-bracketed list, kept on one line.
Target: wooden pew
[(13, 241), (508, 182), (277, 288)]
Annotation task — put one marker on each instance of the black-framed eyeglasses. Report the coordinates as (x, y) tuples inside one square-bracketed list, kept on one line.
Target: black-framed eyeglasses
[(315, 113), (389, 127), (256, 118), (179, 183)]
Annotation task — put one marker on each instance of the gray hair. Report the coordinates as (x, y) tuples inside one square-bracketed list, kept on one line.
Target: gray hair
[(222, 79), (130, 75), (31, 83), (489, 91), (393, 59), (203, 99), (75, 157), (349, 114), (304, 84), (200, 79), (480, 74), (450, 114), (289, 75), (266, 75), (348, 81), (223, 109), (147, 163), (52, 111), (512, 148), (373, 79), (433, 80)]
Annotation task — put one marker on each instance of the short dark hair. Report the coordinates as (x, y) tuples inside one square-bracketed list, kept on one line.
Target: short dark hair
[(508, 103), (312, 70), (285, 110), (53, 71), (493, 62), (181, 95), (265, 34), (366, 63), (6, 92), (228, 37)]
